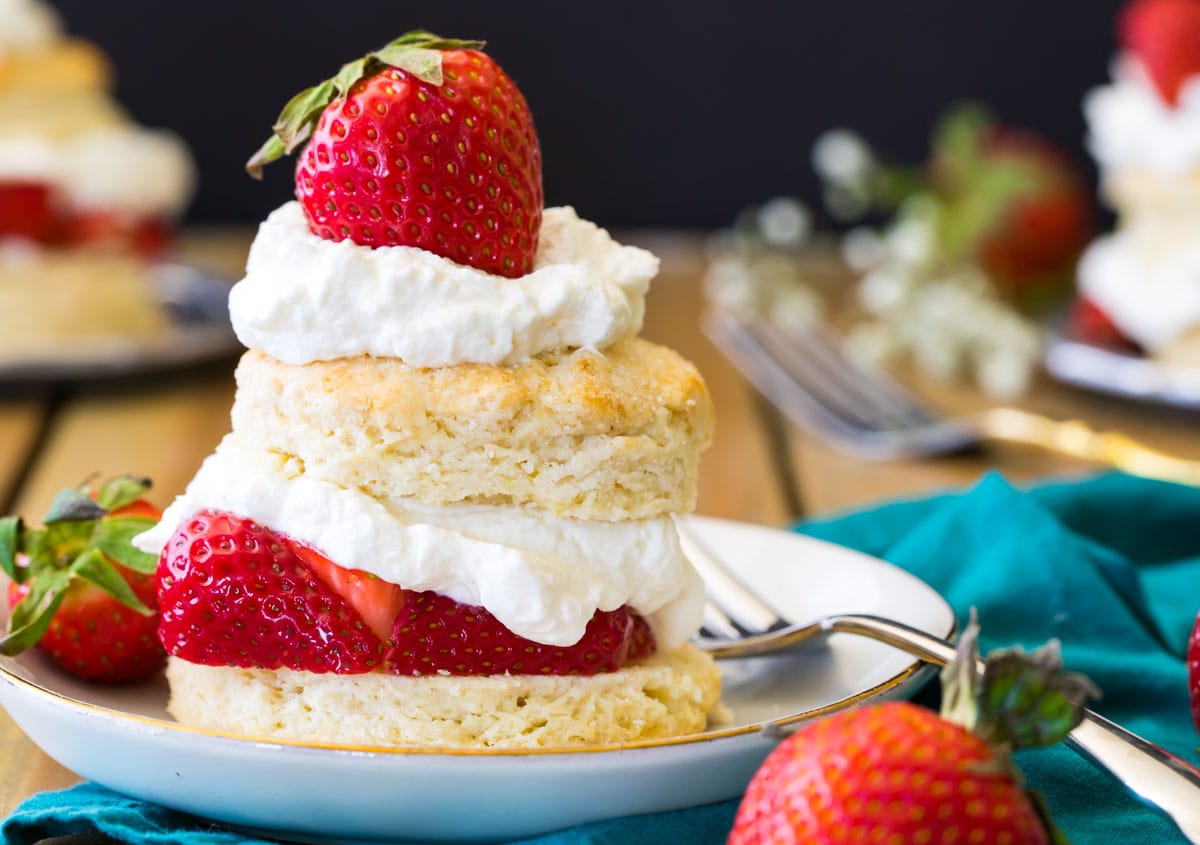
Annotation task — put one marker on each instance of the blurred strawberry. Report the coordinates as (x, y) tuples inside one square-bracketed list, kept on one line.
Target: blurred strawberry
[(1165, 36), (149, 237), (25, 211), (1089, 323), (1012, 202)]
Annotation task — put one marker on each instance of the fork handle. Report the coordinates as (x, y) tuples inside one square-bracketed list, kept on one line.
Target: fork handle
[(1152, 773), (1079, 440)]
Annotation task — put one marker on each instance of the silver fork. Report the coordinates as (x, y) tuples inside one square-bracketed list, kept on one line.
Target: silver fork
[(740, 624), (804, 371)]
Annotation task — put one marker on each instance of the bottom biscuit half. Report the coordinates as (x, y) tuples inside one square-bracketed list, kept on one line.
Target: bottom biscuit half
[(668, 695)]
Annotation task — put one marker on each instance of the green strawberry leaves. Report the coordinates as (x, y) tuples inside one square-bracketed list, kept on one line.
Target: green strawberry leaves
[(31, 617), (1028, 701), (92, 567), (1018, 699), (80, 543), (10, 543), (419, 53), (121, 491), (114, 537), (73, 505)]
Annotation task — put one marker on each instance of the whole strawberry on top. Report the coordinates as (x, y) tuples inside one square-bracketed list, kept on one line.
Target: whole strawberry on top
[(1165, 36), (78, 588), (424, 143), (899, 773)]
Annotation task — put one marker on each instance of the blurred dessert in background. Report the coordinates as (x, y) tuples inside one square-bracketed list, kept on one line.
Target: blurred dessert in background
[(87, 196), (1140, 285)]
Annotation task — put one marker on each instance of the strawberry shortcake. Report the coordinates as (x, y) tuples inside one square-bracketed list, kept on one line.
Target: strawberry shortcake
[(1140, 285), (87, 196), (444, 513)]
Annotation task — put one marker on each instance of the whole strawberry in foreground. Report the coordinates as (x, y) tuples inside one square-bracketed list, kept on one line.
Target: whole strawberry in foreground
[(1165, 36), (898, 773), (424, 143), (79, 590)]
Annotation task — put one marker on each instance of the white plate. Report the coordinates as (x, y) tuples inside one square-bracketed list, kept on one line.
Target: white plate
[(124, 739), (1119, 373), (198, 330)]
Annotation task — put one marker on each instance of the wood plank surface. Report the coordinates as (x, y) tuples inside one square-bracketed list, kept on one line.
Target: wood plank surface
[(742, 473)]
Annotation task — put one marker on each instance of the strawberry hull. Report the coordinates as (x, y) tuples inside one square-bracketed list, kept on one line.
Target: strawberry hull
[(233, 593)]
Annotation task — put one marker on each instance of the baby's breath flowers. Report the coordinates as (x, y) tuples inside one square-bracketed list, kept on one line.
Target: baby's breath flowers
[(950, 280)]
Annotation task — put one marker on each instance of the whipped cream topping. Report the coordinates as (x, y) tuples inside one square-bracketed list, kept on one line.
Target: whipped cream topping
[(1131, 125), (1152, 298), (541, 576), (308, 299), (127, 169), (26, 24)]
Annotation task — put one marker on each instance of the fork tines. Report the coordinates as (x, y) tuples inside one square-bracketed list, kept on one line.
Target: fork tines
[(806, 372)]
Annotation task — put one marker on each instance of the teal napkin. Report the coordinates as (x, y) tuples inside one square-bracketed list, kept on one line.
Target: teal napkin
[(1109, 566)]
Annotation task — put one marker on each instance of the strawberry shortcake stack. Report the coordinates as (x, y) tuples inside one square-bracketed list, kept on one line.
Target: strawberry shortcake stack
[(87, 196), (1140, 285), (443, 516)]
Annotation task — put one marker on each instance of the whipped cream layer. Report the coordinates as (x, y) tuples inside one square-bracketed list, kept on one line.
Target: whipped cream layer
[(308, 299), (1152, 297), (542, 576), (1131, 125), (126, 169)]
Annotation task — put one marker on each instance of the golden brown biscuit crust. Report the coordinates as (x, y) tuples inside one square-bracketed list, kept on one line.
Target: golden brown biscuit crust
[(612, 435)]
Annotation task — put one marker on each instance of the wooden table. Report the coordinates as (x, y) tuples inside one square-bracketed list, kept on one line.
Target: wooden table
[(760, 469)]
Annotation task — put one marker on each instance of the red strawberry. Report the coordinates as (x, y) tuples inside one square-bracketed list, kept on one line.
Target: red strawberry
[(148, 237), (1013, 202), (1165, 36), (232, 593), (436, 632), (79, 590), (895, 768), (25, 211), (1193, 664), (235, 593), (896, 772), (424, 143), (1089, 323)]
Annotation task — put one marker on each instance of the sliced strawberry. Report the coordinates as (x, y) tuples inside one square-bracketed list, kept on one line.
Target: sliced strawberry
[(235, 593), (1165, 36), (1089, 323), (25, 211), (377, 601), (437, 633), (424, 143)]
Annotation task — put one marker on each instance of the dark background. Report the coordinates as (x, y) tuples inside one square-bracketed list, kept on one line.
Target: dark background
[(650, 113)]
